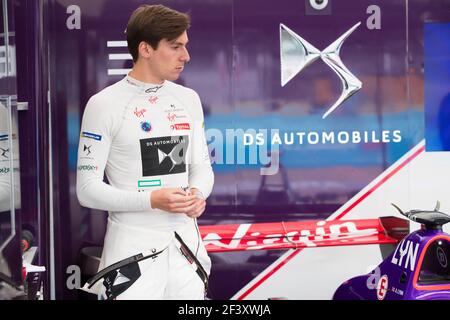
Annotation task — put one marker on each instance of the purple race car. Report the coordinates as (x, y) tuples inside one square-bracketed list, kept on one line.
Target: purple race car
[(418, 269)]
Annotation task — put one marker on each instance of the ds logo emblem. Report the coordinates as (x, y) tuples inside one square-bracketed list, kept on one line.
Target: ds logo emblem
[(296, 54)]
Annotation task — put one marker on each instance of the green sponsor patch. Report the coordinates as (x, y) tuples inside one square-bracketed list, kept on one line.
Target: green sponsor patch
[(149, 183)]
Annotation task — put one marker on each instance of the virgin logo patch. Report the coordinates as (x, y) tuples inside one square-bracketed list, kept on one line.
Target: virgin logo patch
[(153, 99), (171, 117), (180, 126), (139, 113)]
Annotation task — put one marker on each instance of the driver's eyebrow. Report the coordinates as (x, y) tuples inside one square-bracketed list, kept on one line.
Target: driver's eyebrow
[(178, 42)]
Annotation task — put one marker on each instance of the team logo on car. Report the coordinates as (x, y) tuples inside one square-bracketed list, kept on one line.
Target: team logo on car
[(146, 126)]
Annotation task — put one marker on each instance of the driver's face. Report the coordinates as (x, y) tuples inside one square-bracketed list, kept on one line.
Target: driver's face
[(167, 61)]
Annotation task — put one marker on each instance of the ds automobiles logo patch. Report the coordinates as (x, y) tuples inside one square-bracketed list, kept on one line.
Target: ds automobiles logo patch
[(296, 54), (164, 155)]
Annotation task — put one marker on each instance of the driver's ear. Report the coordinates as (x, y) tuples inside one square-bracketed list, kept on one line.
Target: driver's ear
[(145, 49)]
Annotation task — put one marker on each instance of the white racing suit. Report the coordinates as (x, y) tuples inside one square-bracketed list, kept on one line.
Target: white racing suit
[(145, 137)]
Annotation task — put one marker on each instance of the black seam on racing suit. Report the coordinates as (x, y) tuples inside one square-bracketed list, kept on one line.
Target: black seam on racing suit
[(129, 268), (187, 253)]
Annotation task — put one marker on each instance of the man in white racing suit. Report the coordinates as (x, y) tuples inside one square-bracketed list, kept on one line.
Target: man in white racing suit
[(146, 134)]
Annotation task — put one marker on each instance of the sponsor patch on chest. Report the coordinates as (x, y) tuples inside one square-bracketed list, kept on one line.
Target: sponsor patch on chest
[(164, 155)]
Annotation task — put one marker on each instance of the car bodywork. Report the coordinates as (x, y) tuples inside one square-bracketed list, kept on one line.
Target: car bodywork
[(418, 269)]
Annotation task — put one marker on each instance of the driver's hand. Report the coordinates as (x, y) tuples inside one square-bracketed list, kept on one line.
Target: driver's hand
[(174, 200), (199, 204)]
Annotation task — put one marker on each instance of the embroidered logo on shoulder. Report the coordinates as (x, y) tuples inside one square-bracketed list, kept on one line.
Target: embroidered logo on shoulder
[(90, 135)]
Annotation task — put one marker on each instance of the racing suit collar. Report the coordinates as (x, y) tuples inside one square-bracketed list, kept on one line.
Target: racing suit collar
[(151, 87)]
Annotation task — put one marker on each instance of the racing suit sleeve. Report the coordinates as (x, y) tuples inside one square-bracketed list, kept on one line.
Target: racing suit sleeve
[(97, 129), (201, 175)]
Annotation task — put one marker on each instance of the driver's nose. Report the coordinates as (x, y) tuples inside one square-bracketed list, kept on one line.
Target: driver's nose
[(185, 56)]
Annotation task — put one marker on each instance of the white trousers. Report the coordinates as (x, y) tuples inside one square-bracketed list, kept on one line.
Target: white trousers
[(167, 276)]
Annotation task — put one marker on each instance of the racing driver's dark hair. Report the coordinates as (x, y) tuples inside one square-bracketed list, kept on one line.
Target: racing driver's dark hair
[(151, 23)]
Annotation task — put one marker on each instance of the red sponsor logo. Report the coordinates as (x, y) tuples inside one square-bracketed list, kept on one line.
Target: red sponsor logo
[(153, 99), (181, 126), (139, 113), (171, 116), (382, 287), (278, 235)]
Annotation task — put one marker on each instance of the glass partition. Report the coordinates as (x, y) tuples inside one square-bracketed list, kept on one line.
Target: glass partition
[(9, 143)]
